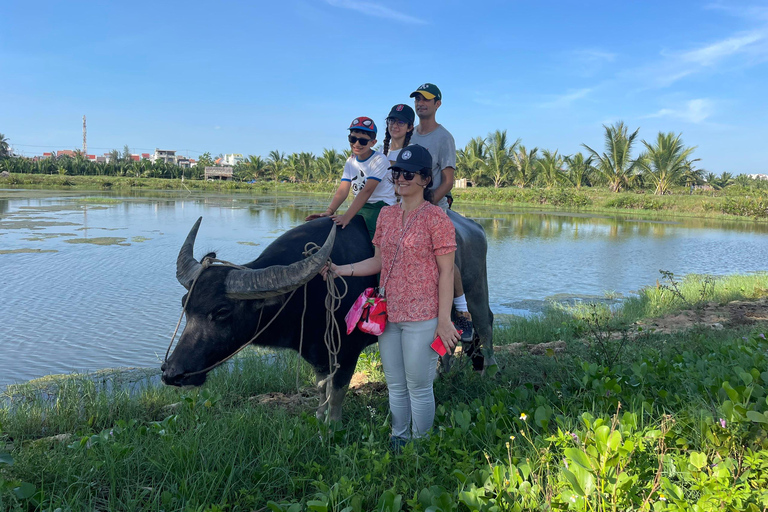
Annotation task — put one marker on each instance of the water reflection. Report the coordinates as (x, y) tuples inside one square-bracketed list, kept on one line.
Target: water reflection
[(84, 306)]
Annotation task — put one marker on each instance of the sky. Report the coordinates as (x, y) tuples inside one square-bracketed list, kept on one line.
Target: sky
[(290, 75)]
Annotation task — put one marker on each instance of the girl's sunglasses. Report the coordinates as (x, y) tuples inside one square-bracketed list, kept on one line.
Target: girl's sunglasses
[(362, 141), (407, 175)]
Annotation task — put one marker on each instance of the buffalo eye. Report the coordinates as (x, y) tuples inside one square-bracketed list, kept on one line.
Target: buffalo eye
[(221, 314)]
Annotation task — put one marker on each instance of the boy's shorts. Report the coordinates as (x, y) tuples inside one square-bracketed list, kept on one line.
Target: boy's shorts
[(370, 213)]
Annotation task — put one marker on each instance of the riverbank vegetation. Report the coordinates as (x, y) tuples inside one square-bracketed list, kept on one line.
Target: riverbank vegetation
[(494, 161), (734, 200), (609, 415)]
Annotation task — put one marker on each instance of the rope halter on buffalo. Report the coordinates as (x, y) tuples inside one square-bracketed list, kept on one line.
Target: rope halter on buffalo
[(332, 336)]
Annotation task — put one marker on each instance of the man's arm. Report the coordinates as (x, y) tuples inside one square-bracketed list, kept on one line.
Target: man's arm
[(445, 186)]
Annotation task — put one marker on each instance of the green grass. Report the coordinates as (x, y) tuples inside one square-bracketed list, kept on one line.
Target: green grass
[(679, 420)]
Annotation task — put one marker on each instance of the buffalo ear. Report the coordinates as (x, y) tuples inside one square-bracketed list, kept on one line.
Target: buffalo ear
[(184, 299), (211, 255)]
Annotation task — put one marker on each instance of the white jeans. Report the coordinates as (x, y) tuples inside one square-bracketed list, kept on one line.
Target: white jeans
[(409, 367)]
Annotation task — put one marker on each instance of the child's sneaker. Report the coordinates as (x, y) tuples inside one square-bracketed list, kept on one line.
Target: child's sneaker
[(464, 325)]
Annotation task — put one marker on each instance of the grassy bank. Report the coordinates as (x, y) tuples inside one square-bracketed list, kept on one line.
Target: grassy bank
[(662, 422), (733, 202)]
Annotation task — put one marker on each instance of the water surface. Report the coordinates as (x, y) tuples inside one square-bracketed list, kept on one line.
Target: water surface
[(88, 279)]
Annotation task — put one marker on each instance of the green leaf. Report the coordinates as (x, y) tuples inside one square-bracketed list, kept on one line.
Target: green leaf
[(574, 482), (24, 491), (757, 417), (578, 457), (698, 459), (601, 437), (6, 458), (614, 441)]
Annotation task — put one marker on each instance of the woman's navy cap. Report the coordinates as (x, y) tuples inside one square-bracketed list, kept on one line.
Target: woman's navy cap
[(414, 158)]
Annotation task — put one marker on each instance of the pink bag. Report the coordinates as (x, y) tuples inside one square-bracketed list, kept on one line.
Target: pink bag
[(368, 313), (374, 317)]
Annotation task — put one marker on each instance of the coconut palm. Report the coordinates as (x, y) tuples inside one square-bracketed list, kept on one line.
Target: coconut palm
[(255, 166), (550, 169), (5, 149), (471, 161), (692, 176), (523, 166), (330, 165), (579, 170), (665, 162), (616, 164), (277, 164), (498, 159)]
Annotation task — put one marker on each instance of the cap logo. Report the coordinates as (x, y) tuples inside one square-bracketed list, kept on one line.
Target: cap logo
[(367, 122), (399, 108), (424, 86), (356, 121), (406, 155)]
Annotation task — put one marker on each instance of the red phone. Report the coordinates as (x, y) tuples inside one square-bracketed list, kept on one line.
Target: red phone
[(437, 345)]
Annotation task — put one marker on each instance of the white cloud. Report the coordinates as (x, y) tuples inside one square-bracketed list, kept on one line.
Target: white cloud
[(695, 111), (716, 52), (565, 100), (376, 10)]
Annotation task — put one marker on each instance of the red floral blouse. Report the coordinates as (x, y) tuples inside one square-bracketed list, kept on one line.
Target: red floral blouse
[(411, 288)]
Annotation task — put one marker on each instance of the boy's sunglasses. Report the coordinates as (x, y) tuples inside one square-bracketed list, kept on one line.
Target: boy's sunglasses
[(408, 175), (362, 141)]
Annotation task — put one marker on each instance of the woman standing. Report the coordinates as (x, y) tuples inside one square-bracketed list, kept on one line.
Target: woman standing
[(399, 128), (414, 245)]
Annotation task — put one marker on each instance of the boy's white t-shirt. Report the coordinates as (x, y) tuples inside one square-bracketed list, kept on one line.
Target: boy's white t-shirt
[(375, 167)]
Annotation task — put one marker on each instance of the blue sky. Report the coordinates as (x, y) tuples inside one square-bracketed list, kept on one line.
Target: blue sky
[(250, 77)]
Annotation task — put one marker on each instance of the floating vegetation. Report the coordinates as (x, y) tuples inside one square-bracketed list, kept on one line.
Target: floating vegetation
[(139, 239), (97, 200), (104, 240), (40, 237), (33, 224), (103, 229), (25, 250), (248, 243)]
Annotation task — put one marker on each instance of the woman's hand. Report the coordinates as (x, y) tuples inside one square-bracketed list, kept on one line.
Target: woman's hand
[(448, 334), (329, 269)]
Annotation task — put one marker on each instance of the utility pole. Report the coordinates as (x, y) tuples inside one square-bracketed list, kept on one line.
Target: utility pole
[(85, 144)]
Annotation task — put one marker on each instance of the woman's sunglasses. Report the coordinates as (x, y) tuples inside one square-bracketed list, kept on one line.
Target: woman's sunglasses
[(408, 175), (362, 141)]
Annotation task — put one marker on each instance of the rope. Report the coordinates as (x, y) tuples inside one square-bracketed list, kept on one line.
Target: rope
[(332, 335)]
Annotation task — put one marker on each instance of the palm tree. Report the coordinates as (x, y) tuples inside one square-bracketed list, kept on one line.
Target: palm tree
[(498, 160), (692, 176), (523, 166), (471, 162), (665, 162), (256, 166), (5, 149), (330, 165), (277, 164), (549, 168), (616, 164), (579, 170)]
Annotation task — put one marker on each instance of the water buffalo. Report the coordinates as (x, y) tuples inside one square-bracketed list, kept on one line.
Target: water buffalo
[(226, 304)]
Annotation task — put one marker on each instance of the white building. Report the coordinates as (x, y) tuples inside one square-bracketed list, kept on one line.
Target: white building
[(233, 159), (164, 155), (758, 176)]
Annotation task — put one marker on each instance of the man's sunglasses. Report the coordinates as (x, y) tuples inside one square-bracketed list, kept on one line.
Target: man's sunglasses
[(408, 175), (362, 141)]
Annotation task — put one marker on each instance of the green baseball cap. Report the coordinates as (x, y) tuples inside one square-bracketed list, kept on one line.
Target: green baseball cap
[(429, 91)]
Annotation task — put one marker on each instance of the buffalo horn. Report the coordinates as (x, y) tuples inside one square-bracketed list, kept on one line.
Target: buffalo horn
[(278, 279), (187, 267)]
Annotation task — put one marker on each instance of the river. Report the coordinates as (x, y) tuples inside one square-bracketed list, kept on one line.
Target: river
[(88, 279)]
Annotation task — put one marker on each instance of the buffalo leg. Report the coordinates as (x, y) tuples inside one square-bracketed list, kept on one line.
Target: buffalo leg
[(323, 386)]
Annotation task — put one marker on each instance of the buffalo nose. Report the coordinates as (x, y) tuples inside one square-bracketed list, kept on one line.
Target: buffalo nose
[(170, 373)]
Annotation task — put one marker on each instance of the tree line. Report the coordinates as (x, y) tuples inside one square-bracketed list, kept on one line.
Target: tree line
[(492, 161)]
